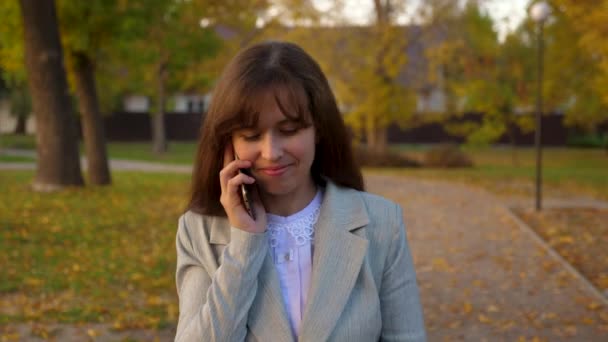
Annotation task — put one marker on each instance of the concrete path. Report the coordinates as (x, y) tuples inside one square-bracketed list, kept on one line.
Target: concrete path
[(115, 164), (482, 277)]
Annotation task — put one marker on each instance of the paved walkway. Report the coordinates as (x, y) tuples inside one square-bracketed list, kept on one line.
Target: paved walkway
[(115, 164), (482, 277)]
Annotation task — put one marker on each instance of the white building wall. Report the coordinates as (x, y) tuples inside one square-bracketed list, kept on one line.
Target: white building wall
[(189, 103), (136, 104), (9, 122)]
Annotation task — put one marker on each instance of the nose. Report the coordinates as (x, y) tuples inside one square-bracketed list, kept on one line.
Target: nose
[(272, 148)]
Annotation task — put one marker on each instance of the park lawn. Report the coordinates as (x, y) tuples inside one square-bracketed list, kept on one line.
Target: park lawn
[(567, 172), (181, 153), (580, 235), (94, 254), (24, 142), (14, 159)]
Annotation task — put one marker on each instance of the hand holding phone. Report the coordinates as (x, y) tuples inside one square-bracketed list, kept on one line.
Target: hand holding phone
[(239, 196), (246, 192)]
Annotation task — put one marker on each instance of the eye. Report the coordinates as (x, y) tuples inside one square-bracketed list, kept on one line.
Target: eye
[(250, 137), (290, 129)]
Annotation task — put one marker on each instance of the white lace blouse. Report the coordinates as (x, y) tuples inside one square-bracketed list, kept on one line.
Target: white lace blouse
[(291, 239)]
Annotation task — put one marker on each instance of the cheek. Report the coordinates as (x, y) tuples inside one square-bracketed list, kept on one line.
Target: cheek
[(304, 148), (244, 150)]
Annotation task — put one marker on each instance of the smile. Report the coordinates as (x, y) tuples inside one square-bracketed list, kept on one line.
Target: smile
[(275, 171)]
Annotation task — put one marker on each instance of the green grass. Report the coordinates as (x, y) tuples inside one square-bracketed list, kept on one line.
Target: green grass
[(94, 254), (181, 153), (13, 159), (27, 142), (566, 171)]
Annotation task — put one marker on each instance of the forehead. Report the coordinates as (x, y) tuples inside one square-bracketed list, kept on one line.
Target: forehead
[(272, 109), (273, 104)]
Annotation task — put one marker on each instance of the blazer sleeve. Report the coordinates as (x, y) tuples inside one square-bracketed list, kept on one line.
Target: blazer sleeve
[(215, 308), (402, 318)]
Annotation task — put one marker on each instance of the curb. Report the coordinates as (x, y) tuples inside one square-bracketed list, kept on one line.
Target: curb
[(540, 241)]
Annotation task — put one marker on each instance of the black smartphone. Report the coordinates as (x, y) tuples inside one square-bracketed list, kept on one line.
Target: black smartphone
[(246, 193)]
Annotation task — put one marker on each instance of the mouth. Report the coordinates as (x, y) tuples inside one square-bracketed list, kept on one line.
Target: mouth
[(274, 171)]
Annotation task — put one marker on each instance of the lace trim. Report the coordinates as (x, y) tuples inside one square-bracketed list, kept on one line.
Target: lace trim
[(301, 230)]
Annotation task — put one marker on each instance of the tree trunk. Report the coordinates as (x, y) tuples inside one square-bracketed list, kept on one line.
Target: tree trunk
[(606, 141), (92, 124), (382, 142), (378, 131), (159, 138), (21, 125), (511, 133), (511, 126), (376, 137), (56, 130), (370, 136)]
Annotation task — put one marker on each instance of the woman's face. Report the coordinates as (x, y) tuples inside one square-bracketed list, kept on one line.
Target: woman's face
[(280, 150)]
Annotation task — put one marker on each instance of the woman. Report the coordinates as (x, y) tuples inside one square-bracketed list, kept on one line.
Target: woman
[(322, 260)]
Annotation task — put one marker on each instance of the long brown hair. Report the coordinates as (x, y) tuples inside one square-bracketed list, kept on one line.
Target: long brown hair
[(295, 78)]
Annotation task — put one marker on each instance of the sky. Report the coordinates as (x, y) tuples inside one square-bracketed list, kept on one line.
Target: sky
[(507, 14)]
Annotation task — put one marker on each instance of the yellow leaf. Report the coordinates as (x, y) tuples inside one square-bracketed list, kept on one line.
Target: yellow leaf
[(136, 276), (154, 300), (454, 324), (91, 332), (467, 307), (588, 321), (117, 325), (33, 281), (11, 337), (441, 264), (171, 311), (493, 308), (570, 330), (484, 319), (550, 315)]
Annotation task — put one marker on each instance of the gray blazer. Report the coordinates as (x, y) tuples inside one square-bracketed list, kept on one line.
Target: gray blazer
[(363, 284)]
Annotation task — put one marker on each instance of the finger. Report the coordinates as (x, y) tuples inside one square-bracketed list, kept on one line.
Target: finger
[(233, 189), (231, 170), (234, 183)]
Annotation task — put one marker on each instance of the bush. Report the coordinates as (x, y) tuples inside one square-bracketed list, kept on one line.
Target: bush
[(446, 155), (368, 158), (590, 140)]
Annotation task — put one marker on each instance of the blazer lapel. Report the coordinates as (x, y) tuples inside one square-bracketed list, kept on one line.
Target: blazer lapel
[(267, 319), (267, 316), (337, 259)]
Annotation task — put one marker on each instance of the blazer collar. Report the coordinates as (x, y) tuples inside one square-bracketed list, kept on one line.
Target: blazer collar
[(344, 203), (337, 258)]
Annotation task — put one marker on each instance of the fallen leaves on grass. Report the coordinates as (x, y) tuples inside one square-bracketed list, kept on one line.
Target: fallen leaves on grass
[(97, 254), (580, 235)]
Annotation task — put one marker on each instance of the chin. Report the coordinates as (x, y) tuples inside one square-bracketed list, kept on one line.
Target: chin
[(277, 189)]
